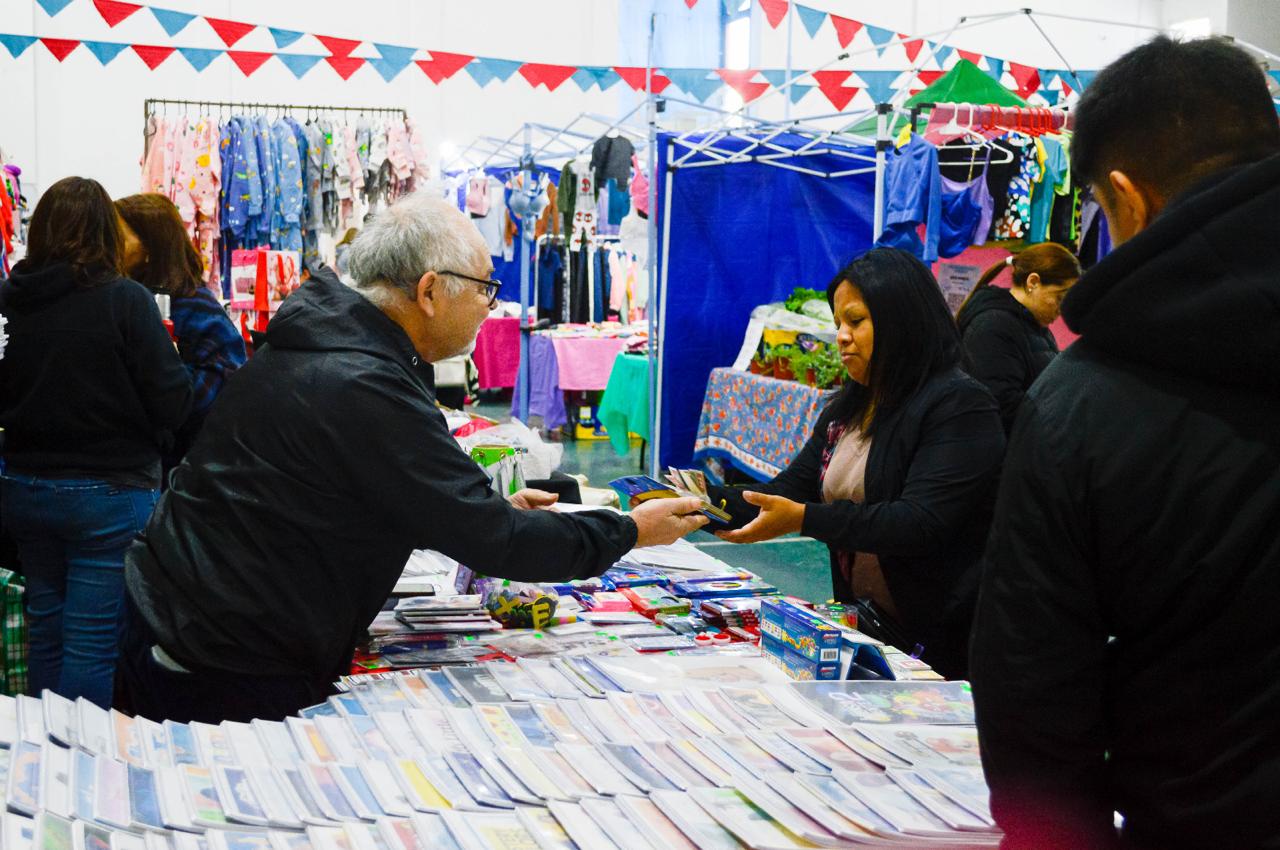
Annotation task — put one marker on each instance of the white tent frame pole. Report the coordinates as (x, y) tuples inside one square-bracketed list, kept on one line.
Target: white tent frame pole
[(655, 325), (655, 428)]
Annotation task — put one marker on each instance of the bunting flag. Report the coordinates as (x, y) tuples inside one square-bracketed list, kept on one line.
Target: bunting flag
[(774, 10), (113, 11), (53, 7), (229, 31), (284, 38), (635, 77), (392, 60), (1048, 96), (797, 90), (880, 37), (929, 77), (16, 44), (584, 79), (105, 51), (741, 82), (551, 76), (880, 84), (1275, 75), (995, 67), (846, 29), (485, 70), (152, 54), (811, 18), (441, 66), (1027, 78), (941, 53), (60, 47), (606, 78), (695, 82), (200, 57), (172, 22), (913, 46), (345, 66), (299, 63), (975, 58), (831, 84), (1081, 79), (691, 3), (387, 70), (338, 46), (248, 61)]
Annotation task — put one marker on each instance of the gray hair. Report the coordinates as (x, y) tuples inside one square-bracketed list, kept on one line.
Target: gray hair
[(417, 234)]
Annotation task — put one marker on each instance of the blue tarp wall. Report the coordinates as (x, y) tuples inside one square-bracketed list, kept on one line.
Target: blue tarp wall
[(743, 235)]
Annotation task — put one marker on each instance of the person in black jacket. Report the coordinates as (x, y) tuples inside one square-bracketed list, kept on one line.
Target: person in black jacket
[(323, 465), (1006, 331), (1126, 650), (899, 476), (91, 390)]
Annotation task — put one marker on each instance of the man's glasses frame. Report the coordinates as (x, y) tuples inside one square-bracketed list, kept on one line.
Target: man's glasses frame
[(490, 285)]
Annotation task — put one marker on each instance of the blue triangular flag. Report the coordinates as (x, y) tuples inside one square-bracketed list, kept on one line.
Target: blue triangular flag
[(1080, 81), (879, 84), (284, 38), (879, 37), (396, 55), (606, 78), (811, 18), (16, 44), (486, 70), (1275, 75), (199, 57), (731, 6), (995, 67), (777, 76), (298, 63), (1050, 96), (386, 69), (584, 78), (53, 7), (172, 21), (695, 82), (1047, 77), (105, 50), (942, 52)]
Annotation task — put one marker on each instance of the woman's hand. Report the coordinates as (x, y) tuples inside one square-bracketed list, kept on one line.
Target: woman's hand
[(778, 516)]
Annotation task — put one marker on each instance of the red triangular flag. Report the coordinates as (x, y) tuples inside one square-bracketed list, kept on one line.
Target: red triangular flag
[(975, 58), (691, 3), (913, 46), (846, 29), (551, 76), (338, 46), (740, 81), (248, 61), (1027, 78), (113, 11), (929, 77), (344, 65), (229, 31), (60, 47), (774, 11), (441, 66), (635, 77), (152, 54), (830, 83)]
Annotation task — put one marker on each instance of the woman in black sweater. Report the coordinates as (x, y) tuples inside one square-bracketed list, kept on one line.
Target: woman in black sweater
[(899, 476), (91, 387), (1006, 331)]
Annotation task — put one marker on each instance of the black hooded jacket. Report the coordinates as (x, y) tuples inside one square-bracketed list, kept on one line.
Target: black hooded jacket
[(90, 383), (1007, 347), (1126, 650), (324, 463)]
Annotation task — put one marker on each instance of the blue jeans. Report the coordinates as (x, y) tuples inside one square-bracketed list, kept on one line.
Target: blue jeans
[(71, 536)]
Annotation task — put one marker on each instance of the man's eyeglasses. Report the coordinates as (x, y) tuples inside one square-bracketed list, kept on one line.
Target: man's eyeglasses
[(491, 287)]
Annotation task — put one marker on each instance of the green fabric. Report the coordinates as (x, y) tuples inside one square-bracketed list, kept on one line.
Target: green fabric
[(13, 631), (964, 83), (624, 409)]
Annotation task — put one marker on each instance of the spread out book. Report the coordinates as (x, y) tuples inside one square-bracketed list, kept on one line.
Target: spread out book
[(684, 483)]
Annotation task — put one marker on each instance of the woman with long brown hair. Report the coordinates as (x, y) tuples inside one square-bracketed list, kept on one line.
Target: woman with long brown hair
[(159, 254), (1006, 331), (90, 390)]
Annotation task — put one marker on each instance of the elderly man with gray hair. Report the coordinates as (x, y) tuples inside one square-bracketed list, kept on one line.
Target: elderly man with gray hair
[(324, 463)]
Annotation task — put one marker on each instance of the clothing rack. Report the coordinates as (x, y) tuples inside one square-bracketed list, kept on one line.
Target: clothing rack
[(1030, 119), (148, 107)]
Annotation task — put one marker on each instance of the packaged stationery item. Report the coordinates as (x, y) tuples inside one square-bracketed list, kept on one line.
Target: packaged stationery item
[(723, 587), (799, 630), (794, 664), (642, 488), (943, 703), (652, 600)]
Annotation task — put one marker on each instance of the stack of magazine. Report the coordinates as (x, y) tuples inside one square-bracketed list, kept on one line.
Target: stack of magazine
[(594, 752)]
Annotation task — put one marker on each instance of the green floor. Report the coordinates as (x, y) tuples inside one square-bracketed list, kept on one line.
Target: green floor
[(797, 565)]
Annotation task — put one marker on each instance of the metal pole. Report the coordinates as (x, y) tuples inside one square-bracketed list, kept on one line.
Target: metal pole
[(524, 376), (655, 329), (655, 463), (882, 145), (1061, 58), (791, 16)]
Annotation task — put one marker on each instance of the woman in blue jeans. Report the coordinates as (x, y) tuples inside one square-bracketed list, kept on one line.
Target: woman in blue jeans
[(91, 389)]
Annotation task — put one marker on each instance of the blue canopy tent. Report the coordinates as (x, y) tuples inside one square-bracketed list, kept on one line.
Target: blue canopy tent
[(745, 216)]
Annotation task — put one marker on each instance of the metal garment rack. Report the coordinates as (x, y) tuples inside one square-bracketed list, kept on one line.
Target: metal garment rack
[(149, 107)]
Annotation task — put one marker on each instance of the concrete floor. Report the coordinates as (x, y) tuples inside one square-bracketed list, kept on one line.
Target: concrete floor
[(796, 565)]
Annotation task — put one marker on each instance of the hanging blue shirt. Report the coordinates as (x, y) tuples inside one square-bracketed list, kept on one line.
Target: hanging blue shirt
[(912, 196), (287, 234)]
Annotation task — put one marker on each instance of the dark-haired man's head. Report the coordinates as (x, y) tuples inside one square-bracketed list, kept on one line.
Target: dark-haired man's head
[(1164, 116)]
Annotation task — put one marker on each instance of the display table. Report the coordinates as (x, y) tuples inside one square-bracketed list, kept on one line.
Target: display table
[(624, 410), (497, 354), (755, 422)]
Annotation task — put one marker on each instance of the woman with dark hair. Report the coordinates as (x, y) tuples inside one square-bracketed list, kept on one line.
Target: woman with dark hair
[(899, 476), (90, 390), (160, 256), (1006, 331)]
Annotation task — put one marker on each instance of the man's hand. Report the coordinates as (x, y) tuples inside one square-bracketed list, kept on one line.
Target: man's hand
[(533, 500), (778, 516), (663, 521)]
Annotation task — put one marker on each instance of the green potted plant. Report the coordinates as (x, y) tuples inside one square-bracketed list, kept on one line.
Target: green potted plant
[(827, 367), (800, 297), (782, 356), (762, 362)]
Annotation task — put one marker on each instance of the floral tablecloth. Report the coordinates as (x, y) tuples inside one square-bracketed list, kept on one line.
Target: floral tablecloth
[(757, 423)]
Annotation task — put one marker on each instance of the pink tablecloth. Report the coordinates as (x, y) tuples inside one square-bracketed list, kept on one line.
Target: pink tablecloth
[(585, 362), (497, 354)]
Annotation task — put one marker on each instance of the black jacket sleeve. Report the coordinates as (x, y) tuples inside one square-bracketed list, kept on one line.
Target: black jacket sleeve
[(958, 455), (1038, 652), (438, 498), (994, 342), (158, 374)]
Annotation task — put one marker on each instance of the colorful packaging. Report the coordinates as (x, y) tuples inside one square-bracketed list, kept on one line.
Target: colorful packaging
[(801, 631)]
